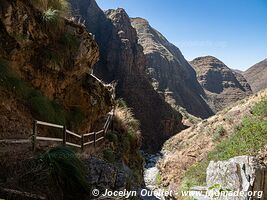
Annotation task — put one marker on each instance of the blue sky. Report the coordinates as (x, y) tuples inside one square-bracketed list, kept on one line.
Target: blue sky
[(235, 31)]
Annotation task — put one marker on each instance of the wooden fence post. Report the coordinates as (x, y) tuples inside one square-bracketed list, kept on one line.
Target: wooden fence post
[(64, 135), (94, 139), (34, 134), (82, 142)]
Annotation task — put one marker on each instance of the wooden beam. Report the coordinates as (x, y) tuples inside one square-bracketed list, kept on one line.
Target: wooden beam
[(87, 143), (49, 124), (88, 134), (74, 145), (34, 135), (49, 139), (74, 134)]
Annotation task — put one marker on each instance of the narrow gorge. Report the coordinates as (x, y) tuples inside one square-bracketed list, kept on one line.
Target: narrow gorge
[(96, 102)]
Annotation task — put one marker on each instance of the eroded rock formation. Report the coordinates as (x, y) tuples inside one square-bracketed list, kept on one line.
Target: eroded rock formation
[(257, 76), (170, 74), (222, 86)]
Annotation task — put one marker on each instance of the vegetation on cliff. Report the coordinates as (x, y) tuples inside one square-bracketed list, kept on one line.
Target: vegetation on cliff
[(125, 141), (248, 139), (40, 106)]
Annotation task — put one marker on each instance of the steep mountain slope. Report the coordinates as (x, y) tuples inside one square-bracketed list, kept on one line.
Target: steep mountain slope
[(193, 145), (47, 85), (171, 75), (257, 76), (122, 59), (222, 86)]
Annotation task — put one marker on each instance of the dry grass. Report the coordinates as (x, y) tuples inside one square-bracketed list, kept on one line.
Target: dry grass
[(125, 120)]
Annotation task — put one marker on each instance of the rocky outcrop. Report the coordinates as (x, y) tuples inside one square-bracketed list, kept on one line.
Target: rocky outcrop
[(58, 65), (242, 173), (103, 175), (222, 86), (257, 75), (171, 75), (122, 59)]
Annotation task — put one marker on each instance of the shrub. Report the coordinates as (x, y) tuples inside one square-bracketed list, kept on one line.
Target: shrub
[(109, 155), (247, 141), (219, 132), (62, 6), (112, 137), (66, 170), (158, 178), (260, 109), (53, 12), (69, 40)]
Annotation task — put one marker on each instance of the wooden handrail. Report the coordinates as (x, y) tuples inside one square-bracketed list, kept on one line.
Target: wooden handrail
[(49, 124), (35, 136), (49, 139), (74, 134), (88, 134)]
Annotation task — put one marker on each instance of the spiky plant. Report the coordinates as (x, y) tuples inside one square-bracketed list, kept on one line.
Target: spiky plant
[(63, 6), (66, 171), (53, 13)]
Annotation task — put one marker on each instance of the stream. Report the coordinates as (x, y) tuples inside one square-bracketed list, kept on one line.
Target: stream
[(151, 174)]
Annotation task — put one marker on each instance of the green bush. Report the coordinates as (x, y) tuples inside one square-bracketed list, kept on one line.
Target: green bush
[(113, 137), (247, 141), (109, 155), (260, 109), (66, 171), (69, 40), (219, 132), (62, 6)]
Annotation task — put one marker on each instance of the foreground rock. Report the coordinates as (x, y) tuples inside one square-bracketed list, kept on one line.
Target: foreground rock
[(242, 173), (222, 86)]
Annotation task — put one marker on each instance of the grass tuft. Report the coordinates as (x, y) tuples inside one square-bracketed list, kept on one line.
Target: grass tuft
[(66, 170)]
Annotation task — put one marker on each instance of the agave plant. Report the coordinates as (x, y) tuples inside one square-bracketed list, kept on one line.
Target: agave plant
[(66, 170)]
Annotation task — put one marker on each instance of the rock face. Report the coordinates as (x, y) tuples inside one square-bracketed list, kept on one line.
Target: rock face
[(171, 75), (221, 84), (50, 63), (103, 175), (242, 173), (122, 59), (257, 76)]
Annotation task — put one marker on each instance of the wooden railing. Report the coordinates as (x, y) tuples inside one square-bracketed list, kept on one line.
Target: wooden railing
[(82, 138)]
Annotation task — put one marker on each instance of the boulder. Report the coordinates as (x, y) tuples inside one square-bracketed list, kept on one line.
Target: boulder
[(242, 173)]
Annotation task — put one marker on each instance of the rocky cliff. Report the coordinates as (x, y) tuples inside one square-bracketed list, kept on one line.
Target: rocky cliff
[(222, 86), (46, 67), (257, 75), (171, 75), (122, 59)]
